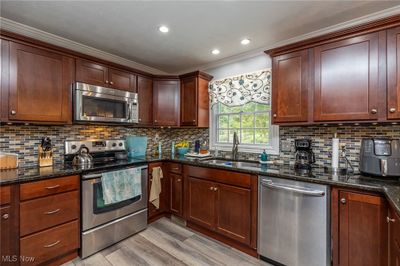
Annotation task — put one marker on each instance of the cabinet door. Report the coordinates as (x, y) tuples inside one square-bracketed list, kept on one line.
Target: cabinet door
[(189, 101), (362, 229), (40, 85), (153, 212), (145, 101), (91, 72), (346, 79), (122, 80), (166, 102), (290, 87), (6, 237), (393, 73), (394, 238), (176, 189), (233, 212), (201, 202)]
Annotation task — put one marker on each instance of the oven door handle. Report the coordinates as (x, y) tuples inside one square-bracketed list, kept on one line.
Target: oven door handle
[(92, 176)]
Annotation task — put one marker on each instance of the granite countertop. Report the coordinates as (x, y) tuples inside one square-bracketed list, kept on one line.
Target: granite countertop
[(389, 187)]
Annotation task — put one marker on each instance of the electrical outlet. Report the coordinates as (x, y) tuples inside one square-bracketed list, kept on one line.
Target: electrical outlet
[(286, 146)]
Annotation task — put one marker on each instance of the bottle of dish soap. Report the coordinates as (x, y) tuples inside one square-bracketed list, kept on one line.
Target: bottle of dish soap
[(264, 157)]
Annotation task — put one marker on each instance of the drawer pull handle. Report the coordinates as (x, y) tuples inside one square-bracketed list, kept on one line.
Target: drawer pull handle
[(5, 216), (176, 168), (53, 187), (52, 212), (52, 244)]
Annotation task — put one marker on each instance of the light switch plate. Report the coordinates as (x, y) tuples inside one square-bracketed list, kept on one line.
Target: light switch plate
[(286, 146)]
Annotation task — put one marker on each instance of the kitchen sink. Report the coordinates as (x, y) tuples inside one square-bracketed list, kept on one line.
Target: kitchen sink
[(238, 164)]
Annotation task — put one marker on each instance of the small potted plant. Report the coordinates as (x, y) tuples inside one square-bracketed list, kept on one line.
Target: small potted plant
[(182, 147)]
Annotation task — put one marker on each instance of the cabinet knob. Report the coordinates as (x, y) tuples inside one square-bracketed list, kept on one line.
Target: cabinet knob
[(140, 119), (274, 115), (194, 120), (211, 188), (390, 220), (106, 81), (343, 200), (215, 189), (374, 111), (5, 216), (179, 180), (13, 112), (111, 82), (392, 110), (155, 121)]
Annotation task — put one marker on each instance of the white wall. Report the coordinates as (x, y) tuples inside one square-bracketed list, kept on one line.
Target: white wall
[(258, 62)]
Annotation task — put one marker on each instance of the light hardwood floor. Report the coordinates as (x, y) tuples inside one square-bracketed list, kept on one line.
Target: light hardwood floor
[(166, 243)]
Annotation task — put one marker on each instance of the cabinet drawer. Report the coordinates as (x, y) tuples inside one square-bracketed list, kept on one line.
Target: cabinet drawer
[(5, 195), (222, 176), (48, 187), (42, 213), (49, 244), (175, 168)]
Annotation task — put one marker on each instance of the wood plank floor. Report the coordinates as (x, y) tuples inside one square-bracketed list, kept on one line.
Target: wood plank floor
[(166, 243)]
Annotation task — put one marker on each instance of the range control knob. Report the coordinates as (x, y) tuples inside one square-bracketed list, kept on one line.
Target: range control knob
[(120, 144), (73, 146), (114, 144)]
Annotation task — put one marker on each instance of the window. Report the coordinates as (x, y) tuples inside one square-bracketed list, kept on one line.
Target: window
[(252, 123)]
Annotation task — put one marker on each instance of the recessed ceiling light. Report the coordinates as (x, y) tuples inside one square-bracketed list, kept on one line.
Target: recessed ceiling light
[(245, 41), (163, 29), (215, 51)]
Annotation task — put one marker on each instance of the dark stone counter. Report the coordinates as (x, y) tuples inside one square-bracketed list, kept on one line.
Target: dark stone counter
[(389, 187)]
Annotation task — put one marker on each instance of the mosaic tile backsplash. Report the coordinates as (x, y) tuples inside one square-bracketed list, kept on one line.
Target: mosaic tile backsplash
[(24, 139)]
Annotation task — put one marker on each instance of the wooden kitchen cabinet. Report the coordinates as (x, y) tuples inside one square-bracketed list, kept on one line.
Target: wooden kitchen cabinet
[(393, 220), (175, 188), (347, 79), (224, 203), (145, 100), (195, 99), (166, 102), (8, 227), (290, 87), (40, 85), (154, 213), (393, 73), (102, 75), (359, 228)]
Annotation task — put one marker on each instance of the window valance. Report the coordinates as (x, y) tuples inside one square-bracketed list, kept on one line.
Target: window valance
[(239, 90)]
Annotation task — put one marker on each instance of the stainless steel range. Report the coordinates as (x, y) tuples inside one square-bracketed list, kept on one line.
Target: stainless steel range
[(105, 224)]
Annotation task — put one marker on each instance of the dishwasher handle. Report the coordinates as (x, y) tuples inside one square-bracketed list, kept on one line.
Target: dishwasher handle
[(316, 193)]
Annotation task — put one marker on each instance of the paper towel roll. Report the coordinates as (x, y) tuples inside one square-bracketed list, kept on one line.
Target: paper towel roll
[(335, 153)]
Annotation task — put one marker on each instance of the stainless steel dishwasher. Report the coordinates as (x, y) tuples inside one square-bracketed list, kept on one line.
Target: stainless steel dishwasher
[(293, 222)]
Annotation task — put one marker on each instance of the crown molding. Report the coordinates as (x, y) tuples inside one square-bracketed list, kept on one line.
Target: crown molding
[(25, 30), (393, 11)]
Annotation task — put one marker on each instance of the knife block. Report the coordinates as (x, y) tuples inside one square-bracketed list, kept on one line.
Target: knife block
[(45, 158)]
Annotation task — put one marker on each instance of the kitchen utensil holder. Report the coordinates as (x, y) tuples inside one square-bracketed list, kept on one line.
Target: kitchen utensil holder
[(45, 157)]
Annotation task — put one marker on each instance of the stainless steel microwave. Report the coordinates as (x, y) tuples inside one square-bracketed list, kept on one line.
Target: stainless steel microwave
[(99, 104)]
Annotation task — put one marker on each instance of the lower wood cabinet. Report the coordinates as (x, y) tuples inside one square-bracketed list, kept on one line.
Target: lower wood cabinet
[(393, 220), (8, 226), (176, 194), (222, 202), (359, 228), (153, 212)]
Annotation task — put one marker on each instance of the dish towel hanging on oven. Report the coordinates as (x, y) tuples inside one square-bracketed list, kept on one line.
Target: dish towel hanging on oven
[(121, 185), (155, 189)]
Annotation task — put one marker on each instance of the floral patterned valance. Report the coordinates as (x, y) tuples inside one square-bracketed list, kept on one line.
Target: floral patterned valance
[(239, 90)]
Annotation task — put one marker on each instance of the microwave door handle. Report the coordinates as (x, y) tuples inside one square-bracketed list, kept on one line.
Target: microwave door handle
[(129, 111), (383, 165)]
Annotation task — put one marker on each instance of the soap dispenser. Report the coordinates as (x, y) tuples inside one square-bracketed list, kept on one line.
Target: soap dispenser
[(264, 157)]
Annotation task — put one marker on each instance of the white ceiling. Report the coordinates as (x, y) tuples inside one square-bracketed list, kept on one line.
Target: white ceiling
[(129, 28)]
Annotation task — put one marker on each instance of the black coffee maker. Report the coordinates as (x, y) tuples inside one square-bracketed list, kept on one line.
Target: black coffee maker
[(304, 154)]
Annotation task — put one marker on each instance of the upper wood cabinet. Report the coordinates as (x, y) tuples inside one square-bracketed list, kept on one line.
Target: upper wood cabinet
[(359, 229), (101, 75), (393, 73), (195, 99), (290, 87), (166, 102), (40, 85), (346, 79), (145, 100)]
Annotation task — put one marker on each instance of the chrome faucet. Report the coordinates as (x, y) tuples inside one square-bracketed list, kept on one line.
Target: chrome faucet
[(235, 146)]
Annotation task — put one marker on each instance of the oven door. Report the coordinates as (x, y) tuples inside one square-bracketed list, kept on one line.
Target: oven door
[(95, 212), (94, 103)]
